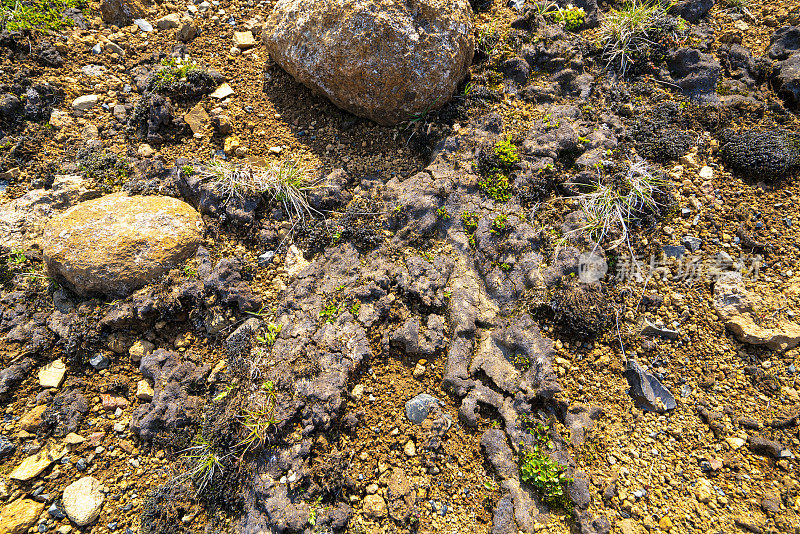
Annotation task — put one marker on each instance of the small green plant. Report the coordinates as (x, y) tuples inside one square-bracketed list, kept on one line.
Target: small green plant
[(330, 312), (505, 267), (626, 34), (312, 511), (172, 71), (108, 169), (442, 213), (521, 361), (496, 186), (262, 312), (271, 334), (422, 115), (499, 225), (189, 271), (259, 422), (581, 140), (469, 220), (616, 205), (205, 461), (286, 182), (37, 15), (187, 170), (506, 152), (354, 308), (472, 242), (543, 473), (570, 17), (487, 39), (17, 257), (549, 123), (739, 6), (227, 391)]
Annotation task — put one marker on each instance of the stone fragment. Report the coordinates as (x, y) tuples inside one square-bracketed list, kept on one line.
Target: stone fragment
[(85, 102), (168, 22), (243, 40), (374, 507), (83, 500), (17, 517), (31, 421), (223, 91), (52, 374)]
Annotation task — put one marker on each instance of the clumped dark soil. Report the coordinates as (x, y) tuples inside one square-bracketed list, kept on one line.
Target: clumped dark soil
[(453, 265)]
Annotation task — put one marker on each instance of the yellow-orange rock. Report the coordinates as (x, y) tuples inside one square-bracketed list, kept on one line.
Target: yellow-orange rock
[(17, 517), (116, 244), (386, 60)]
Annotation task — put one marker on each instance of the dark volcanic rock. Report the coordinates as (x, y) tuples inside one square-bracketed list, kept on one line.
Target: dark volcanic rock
[(784, 43), (175, 403), (691, 10), (11, 376), (47, 54), (10, 108), (647, 392), (767, 447), (787, 81), (152, 117), (695, 73), (65, 413)]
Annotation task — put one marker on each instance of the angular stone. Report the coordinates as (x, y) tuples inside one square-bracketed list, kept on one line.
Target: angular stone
[(52, 374), (417, 409), (116, 244), (197, 118), (144, 390), (32, 466), (140, 349), (20, 515), (243, 40), (647, 392), (74, 439), (59, 119), (121, 12), (30, 421), (223, 91), (231, 144), (374, 506), (187, 31), (83, 501), (387, 61), (735, 443), (704, 491), (168, 22)]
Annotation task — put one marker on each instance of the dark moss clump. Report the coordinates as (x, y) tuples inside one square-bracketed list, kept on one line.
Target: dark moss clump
[(359, 226), (182, 80), (761, 153), (663, 135), (580, 310), (165, 506), (108, 169)]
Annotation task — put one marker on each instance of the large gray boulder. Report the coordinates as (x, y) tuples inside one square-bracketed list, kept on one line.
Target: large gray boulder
[(385, 60)]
